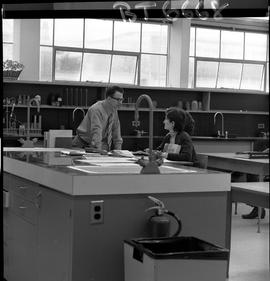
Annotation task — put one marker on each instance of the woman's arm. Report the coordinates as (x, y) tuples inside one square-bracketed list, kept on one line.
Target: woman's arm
[(185, 153)]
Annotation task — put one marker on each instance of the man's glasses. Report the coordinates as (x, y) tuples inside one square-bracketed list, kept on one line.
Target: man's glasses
[(118, 99)]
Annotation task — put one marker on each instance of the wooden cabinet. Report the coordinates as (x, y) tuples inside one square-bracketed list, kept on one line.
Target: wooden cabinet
[(37, 232)]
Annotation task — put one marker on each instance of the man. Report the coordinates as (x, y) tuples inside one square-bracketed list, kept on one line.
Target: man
[(100, 128)]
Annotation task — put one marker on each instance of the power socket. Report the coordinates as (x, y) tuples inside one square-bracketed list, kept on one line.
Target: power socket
[(97, 211), (261, 126)]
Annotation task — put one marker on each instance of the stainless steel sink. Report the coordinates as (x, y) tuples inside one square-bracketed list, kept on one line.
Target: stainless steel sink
[(126, 169)]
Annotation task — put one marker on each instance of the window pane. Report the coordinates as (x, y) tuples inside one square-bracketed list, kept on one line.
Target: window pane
[(123, 69), (45, 66), (7, 51), (207, 42), (252, 75), (46, 32), (68, 66), (68, 32), (229, 75), (154, 38), (255, 46), (8, 30), (98, 34), (232, 44), (206, 74), (153, 70), (192, 42), (191, 73), (126, 36), (96, 67)]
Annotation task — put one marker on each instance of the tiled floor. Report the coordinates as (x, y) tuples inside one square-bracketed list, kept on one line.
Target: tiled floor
[(249, 249)]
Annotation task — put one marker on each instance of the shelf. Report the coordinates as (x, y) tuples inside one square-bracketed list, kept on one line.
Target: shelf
[(142, 137), (22, 136), (128, 86), (147, 109)]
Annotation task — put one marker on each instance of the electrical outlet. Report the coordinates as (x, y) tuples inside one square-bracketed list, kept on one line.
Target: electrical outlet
[(97, 211), (261, 126)]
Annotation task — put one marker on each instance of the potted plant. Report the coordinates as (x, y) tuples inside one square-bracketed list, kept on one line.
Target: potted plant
[(12, 69)]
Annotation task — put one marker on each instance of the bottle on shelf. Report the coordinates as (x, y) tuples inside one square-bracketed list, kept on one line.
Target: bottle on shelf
[(20, 101)]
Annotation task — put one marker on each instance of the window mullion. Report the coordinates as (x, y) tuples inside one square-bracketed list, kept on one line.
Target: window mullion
[(244, 47), (53, 53), (263, 79), (54, 63), (195, 72), (140, 61), (195, 61), (241, 77), (136, 70), (83, 50), (113, 35)]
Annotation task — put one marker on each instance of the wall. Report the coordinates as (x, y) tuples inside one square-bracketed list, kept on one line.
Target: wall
[(26, 47)]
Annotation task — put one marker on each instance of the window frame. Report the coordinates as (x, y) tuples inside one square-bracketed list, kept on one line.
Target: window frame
[(83, 50), (221, 60), (8, 42)]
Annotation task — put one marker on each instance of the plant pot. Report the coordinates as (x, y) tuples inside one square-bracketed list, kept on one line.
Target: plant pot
[(11, 74)]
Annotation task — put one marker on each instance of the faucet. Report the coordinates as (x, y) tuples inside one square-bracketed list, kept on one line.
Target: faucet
[(222, 122), (28, 142), (151, 166), (73, 113)]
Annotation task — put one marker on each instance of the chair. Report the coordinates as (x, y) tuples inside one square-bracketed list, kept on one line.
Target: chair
[(202, 161)]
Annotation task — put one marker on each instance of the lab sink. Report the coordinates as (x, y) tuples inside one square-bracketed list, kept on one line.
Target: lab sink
[(125, 169)]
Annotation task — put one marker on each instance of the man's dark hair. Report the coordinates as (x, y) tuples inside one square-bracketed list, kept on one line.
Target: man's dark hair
[(179, 118), (111, 90)]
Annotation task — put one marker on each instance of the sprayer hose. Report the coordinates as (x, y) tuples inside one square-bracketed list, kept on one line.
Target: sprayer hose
[(179, 223)]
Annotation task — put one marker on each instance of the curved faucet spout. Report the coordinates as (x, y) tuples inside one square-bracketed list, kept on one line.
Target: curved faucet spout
[(73, 113), (29, 104), (222, 121), (151, 119)]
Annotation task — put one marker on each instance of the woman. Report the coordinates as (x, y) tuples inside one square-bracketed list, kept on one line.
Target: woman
[(177, 144)]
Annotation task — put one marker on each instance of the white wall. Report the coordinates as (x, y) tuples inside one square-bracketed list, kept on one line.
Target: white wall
[(26, 47)]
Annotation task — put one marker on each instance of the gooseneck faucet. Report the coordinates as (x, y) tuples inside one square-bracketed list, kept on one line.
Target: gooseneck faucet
[(150, 166), (151, 119), (73, 113), (222, 122), (28, 142)]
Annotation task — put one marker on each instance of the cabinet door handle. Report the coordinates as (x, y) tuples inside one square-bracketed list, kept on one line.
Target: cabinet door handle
[(5, 199), (23, 187), (38, 200)]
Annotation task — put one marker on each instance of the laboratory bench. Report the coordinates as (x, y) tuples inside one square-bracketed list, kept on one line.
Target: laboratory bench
[(52, 230)]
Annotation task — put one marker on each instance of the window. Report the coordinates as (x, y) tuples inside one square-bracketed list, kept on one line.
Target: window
[(103, 51), (228, 59), (8, 39)]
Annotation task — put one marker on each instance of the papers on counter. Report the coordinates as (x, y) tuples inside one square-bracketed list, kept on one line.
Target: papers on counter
[(253, 154), (121, 153), (99, 160)]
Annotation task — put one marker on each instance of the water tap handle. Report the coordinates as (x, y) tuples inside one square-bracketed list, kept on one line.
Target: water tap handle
[(158, 202)]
